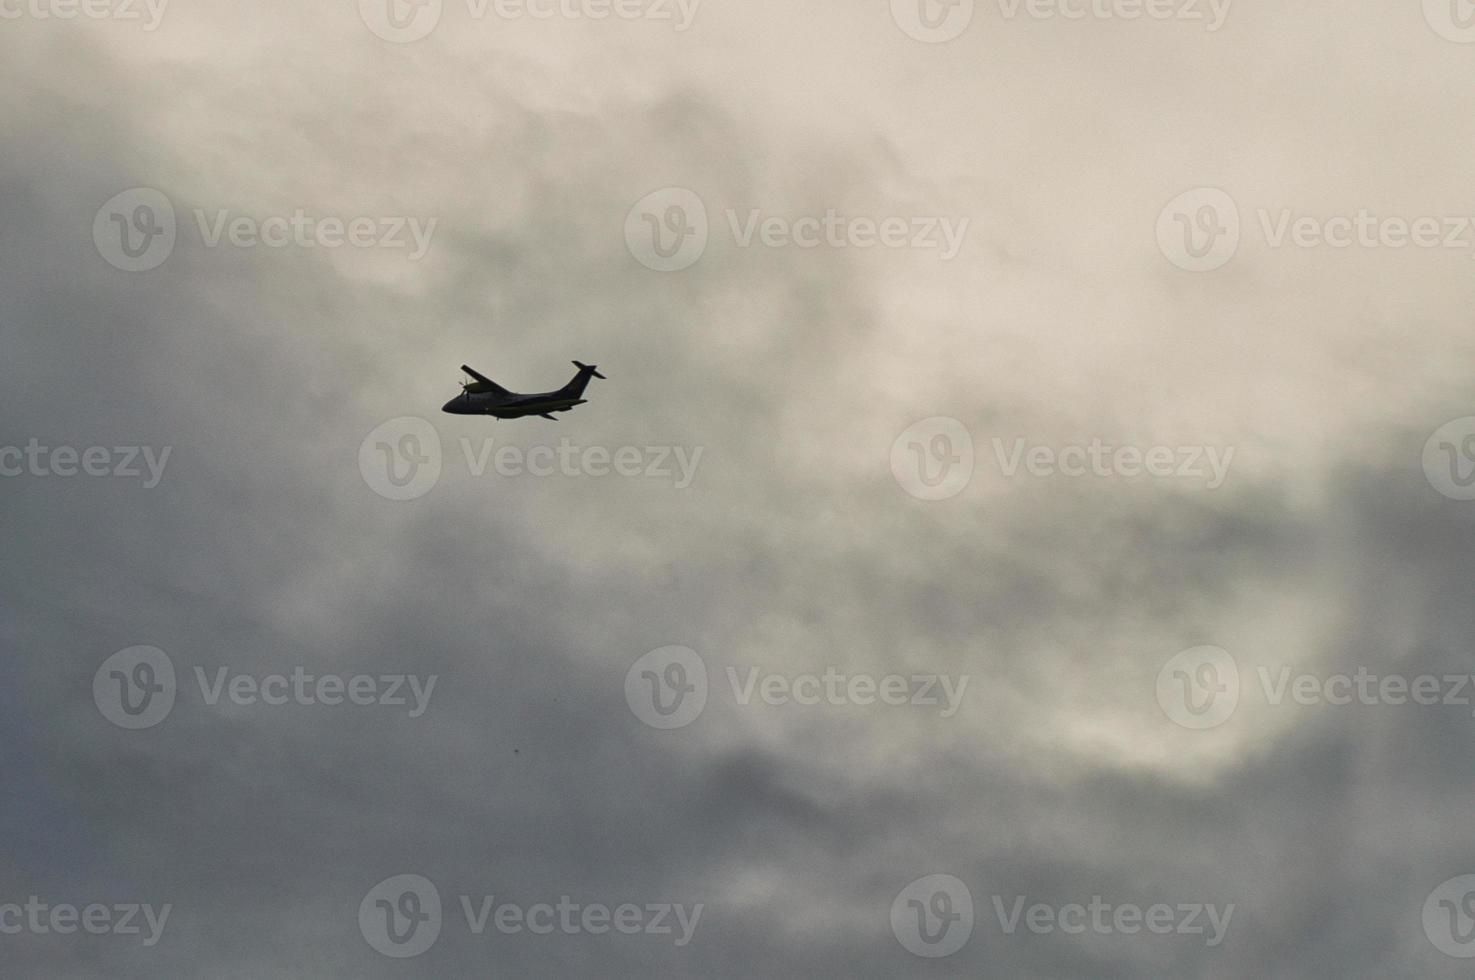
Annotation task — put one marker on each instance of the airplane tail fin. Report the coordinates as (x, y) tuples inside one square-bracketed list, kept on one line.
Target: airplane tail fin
[(575, 388)]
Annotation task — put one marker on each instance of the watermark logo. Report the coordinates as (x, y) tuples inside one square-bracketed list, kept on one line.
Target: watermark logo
[(401, 459), (1453, 20), (651, 462), (1199, 230), (933, 916), (1214, 12), (1449, 917), (1449, 459), (941, 234), (667, 688), (942, 691), (135, 688), (400, 21), (401, 916), (933, 458), (404, 21), (667, 230), (37, 460), (1098, 459), (42, 918), (1104, 918), (302, 230), (151, 12), (933, 21), (135, 229), (1199, 688)]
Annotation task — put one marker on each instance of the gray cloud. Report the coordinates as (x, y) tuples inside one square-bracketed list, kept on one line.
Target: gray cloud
[(794, 551)]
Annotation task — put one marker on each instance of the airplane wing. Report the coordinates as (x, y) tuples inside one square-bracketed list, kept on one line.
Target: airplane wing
[(485, 383)]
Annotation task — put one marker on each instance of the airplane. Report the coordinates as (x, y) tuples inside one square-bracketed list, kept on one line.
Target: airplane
[(483, 396)]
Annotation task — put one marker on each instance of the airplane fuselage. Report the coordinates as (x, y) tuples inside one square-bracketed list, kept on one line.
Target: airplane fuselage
[(486, 397), (513, 407)]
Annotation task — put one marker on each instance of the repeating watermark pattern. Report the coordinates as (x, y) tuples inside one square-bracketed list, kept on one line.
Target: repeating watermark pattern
[(403, 916), (136, 688), (1449, 459), (1453, 20), (136, 230), (1206, 464), (939, 21), (148, 13), (832, 229), (41, 918), (933, 21), (1201, 230), (1201, 688), (933, 916), (1212, 14), (144, 463), (668, 230), (1102, 918), (402, 460), (1449, 917), (405, 21), (401, 21), (668, 688), (934, 460)]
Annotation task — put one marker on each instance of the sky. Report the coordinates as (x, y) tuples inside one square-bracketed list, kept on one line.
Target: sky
[(1024, 532)]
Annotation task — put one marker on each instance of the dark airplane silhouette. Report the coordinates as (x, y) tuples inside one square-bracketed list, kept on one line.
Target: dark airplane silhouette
[(484, 396)]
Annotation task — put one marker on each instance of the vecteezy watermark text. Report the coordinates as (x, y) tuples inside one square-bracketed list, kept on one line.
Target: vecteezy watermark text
[(150, 12), (136, 688), (668, 688), (1201, 687), (1201, 230), (402, 917), (934, 459), (37, 460), (934, 917), (41, 918), (405, 21), (668, 230), (136, 230), (403, 459), (938, 21)]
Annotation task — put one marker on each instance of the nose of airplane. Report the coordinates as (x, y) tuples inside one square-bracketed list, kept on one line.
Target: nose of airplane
[(456, 406)]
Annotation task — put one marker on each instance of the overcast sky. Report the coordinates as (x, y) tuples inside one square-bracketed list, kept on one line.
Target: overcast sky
[(1025, 532)]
